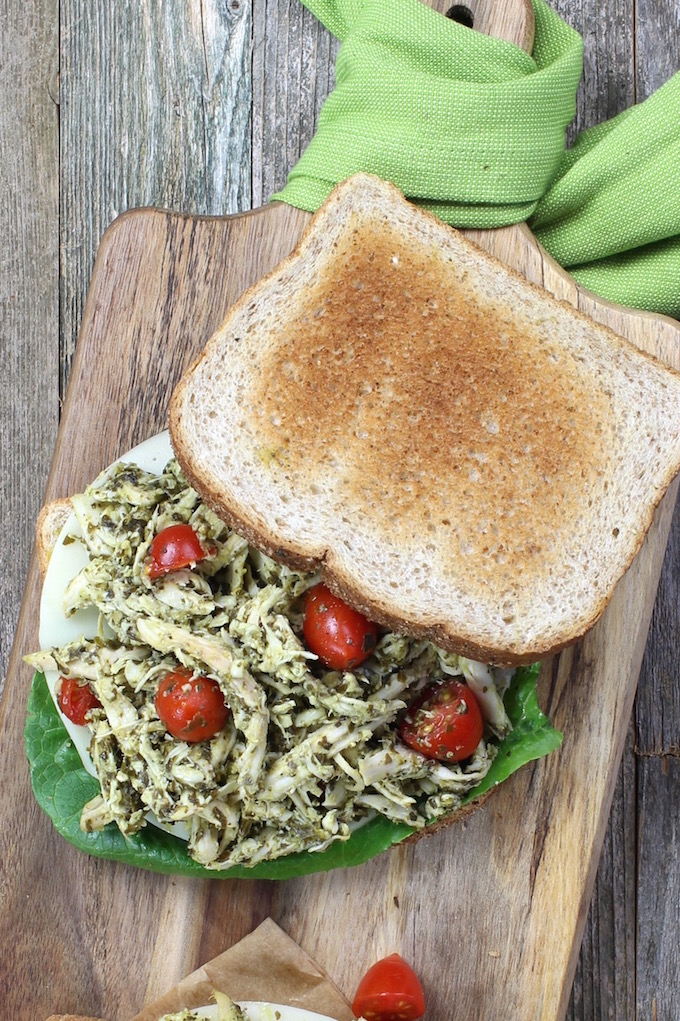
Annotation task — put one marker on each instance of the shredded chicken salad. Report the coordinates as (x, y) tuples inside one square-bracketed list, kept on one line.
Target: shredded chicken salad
[(225, 1009), (307, 753)]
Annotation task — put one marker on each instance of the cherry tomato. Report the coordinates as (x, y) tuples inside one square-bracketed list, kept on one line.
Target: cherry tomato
[(192, 708), (174, 547), (75, 699), (389, 991), (340, 636), (444, 723)]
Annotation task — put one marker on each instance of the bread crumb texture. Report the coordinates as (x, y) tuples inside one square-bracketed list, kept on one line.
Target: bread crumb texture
[(466, 457)]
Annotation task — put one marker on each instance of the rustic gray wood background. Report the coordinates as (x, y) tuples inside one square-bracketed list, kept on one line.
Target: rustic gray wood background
[(203, 106)]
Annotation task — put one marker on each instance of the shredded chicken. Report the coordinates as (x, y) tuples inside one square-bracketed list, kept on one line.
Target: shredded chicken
[(307, 753)]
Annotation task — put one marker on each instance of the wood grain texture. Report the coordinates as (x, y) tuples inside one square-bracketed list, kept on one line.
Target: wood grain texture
[(500, 21), (604, 983), (657, 993), (656, 27), (111, 160), (658, 703), (608, 82), (657, 717), (155, 110), (655, 56), (29, 232), (293, 72), (631, 49)]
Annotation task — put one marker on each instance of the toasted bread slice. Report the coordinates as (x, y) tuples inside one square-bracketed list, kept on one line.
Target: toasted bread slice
[(463, 456), (51, 519), (71, 1017)]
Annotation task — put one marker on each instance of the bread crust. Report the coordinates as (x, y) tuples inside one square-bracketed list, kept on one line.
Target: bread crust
[(49, 523), (587, 378), (453, 817), (72, 1017), (356, 597)]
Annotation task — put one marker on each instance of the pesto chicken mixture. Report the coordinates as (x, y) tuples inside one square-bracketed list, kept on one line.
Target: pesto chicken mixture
[(227, 1010), (306, 754)]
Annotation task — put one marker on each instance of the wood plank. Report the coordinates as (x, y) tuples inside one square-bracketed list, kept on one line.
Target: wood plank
[(604, 983), (657, 46), (657, 57), (630, 49), (155, 110), (29, 285), (608, 82), (657, 711), (658, 904), (293, 72)]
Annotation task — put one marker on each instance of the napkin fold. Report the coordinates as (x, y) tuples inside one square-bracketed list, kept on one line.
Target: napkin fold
[(612, 215), (473, 129)]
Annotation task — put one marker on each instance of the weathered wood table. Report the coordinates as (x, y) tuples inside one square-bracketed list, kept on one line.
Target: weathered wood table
[(203, 107)]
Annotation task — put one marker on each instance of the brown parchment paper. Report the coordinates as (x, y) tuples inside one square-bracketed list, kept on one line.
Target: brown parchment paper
[(265, 965)]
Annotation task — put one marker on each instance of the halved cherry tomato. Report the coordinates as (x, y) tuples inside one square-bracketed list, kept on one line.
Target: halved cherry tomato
[(75, 699), (389, 991), (444, 723), (192, 708), (340, 636), (174, 547)]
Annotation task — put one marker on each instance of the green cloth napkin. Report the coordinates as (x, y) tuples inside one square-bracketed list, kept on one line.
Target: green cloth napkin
[(473, 129), (612, 216)]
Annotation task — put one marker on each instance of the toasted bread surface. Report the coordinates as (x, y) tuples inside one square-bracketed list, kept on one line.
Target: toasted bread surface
[(71, 1017), (462, 456), (51, 519)]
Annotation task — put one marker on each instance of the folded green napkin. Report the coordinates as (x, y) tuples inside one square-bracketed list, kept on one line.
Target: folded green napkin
[(612, 215), (473, 129)]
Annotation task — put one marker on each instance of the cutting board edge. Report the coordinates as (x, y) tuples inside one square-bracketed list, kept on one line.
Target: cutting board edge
[(590, 297), (279, 209)]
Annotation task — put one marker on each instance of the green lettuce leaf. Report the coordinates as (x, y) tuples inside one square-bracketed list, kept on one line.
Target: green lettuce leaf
[(62, 786)]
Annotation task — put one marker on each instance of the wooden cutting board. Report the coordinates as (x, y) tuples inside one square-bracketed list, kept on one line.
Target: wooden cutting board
[(490, 912)]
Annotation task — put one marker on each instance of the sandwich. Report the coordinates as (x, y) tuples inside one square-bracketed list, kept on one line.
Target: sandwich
[(225, 1009), (461, 455), (305, 764), (390, 425)]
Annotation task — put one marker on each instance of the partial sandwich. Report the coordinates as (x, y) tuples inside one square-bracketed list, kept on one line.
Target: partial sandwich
[(272, 759), (463, 456)]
